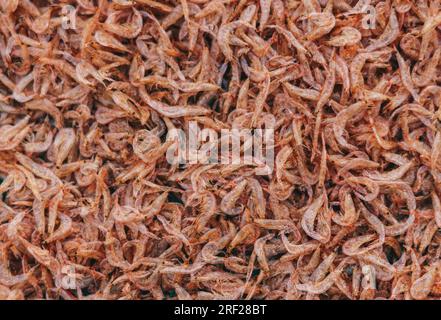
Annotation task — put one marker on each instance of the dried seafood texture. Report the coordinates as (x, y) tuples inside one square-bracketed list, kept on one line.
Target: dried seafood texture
[(91, 91)]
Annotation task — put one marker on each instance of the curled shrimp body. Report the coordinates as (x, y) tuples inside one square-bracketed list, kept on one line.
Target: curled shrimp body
[(197, 149)]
